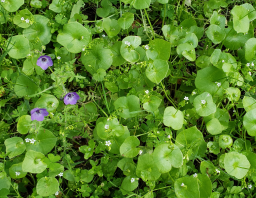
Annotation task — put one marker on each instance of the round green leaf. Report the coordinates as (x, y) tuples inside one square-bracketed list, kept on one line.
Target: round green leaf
[(141, 4), (48, 102), (28, 67), (19, 47), (249, 103), (225, 141), (130, 183), (166, 156), (14, 146), (251, 11), (55, 6), (111, 27), (213, 148), (249, 122), (89, 112), (159, 49), (250, 49), (215, 33), (117, 57), (16, 172), (214, 127), (25, 86), (128, 52), (157, 70), (128, 148), (203, 61), (44, 141), (217, 19), (47, 186), (74, 37), (152, 104), (146, 168), (23, 125), (191, 39), (173, 118), (240, 19), (117, 141), (126, 20), (236, 164), (39, 29), (233, 94), (204, 104), (33, 162), (187, 50), (12, 5), (23, 14)]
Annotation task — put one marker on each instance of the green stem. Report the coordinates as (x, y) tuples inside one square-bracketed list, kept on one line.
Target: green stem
[(106, 101), (168, 96), (164, 15), (150, 23)]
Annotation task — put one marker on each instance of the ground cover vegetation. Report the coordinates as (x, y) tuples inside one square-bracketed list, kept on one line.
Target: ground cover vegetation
[(129, 98)]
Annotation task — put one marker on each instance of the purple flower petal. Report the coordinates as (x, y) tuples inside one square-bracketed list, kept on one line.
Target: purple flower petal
[(38, 114), (44, 62), (71, 98)]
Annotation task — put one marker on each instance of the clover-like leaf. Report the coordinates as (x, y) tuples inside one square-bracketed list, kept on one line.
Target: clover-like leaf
[(215, 33), (173, 118), (157, 70), (129, 147), (33, 162), (204, 104)]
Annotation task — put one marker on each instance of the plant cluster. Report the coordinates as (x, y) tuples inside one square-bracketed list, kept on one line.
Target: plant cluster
[(127, 98)]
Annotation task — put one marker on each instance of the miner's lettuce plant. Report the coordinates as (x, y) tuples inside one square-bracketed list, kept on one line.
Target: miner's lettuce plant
[(127, 98)]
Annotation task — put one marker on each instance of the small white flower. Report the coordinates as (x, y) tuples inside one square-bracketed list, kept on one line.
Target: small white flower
[(60, 174), (218, 84), (22, 18), (223, 61), (27, 20), (252, 64), (106, 126), (250, 73), (146, 47), (182, 185), (32, 141), (103, 35), (203, 101), (132, 180), (169, 136), (27, 140), (186, 98), (57, 193), (127, 43), (249, 186), (108, 143), (83, 49), (140, 152), (193, 93), (195, 175), (217, 171), (147, 91), (29, 55), (82, 37), (2, 1), (248, 64), (17, 173), (58, 57), (157, 132)]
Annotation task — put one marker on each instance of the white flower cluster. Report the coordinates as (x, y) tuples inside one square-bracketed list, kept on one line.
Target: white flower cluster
[(147, 91), (132, 180), (108, 143), (58, 57), (17, 173), (127, 43), (218, 84), (203, 101), (146, 47), (186, 98), (32, 141), (60, 174), (106, 127), (140, 152)]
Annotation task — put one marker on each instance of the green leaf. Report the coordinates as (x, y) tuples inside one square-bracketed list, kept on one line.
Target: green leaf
[(159, 49), (55, 6), (17, 168), (33, 162), (236, 164), (191, 39), (249, 103), (128, 183), (166, 156), (173, 118), (19, 47), (5, 182), (76, 8), (39, 29), (117, 57), (111, 27), (36, 3), (249, 122), (47, 186), (250, 49), (26, 14), (216, 34), (14, 146), (74, 37), (203, 61), (89, 112), (25, 86), (126, 20), (157, 70), (12, 5), (146, 168), (141, 4), (204, 104), (127, 106), (187, 50), (129, 52), (48, 102), (225, 141), (214, 127), (251, 11), (240, 19), (233, 94), (217, 19), (128, 148), (152, 104), (24, 124), (45, 141)]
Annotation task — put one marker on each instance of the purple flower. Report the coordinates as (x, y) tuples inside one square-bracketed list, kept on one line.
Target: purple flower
[(38, 114), (44, 62), (71, 98)]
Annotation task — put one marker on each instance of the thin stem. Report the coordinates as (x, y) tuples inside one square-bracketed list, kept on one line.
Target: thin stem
[(168, 96), (150, 23)]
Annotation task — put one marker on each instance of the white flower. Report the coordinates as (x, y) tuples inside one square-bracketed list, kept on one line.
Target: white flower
[(127, 43), (234, 111), (250, 73), (27, 140), (27, 20), (248, 64), (132, 180), (57, 193), (182, 184), (22, 18), (17, 173), (2, 1), (252, 64), (147, 91), (60, 174), (103, 35), (140, 152), (58, 57), (83, 49), (29, 55), (249, 186), (106, 126), (146, 47), (203, 101), (186, 98), (217, 171), (32, 141), (223, 61), (169, 136), (218, 84), (193, 93), (195, 175), (108, 143), (82, 37)]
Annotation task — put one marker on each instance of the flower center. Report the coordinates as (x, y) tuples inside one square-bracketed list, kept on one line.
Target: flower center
[(38, 111), (70, 96), (44, 59)]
